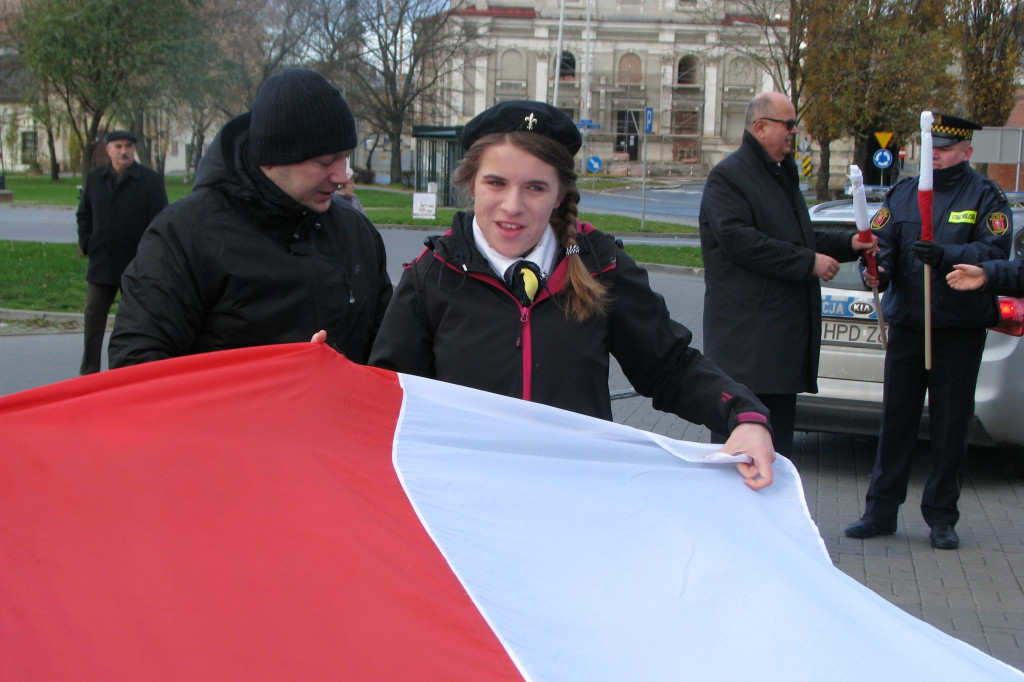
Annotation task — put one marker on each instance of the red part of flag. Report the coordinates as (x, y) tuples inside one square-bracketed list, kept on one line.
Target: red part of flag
[(193, 519), (924, 205)]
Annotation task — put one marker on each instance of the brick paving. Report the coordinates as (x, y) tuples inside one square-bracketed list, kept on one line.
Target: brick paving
[(975, 594)]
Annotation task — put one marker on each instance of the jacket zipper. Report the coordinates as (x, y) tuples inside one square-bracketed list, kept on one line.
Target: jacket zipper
[(525, 344)]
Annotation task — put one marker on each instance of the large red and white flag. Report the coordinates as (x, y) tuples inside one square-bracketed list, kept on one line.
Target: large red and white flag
[(280, 513)]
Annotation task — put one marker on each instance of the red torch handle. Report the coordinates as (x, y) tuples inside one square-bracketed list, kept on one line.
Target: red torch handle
[(924, 205), (864, 236)]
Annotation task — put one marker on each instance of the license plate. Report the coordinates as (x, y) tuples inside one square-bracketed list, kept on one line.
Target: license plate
[(850, 333)]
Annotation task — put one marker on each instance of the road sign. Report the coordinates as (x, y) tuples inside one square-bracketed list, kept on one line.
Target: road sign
[(594, 164), (883, 139), (649, 120), (588, 124), (805, 165), (882, 158)]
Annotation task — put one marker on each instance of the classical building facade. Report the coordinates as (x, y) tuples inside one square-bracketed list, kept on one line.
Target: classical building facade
[(618, 58)]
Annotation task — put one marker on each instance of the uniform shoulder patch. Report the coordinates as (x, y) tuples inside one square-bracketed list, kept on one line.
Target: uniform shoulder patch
[(998, 223), (881, 219)]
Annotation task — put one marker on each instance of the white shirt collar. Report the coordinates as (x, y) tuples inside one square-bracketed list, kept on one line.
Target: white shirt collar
[(542, 255)]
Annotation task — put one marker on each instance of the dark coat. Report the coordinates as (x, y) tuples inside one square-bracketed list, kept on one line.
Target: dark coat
[(239, 263), (762, 302), (971, 220), (1004, 277), (113, 215), (453, 319)]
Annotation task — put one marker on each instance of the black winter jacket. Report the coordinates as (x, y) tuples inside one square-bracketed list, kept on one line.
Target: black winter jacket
[(453, 319), (762, 301), (1004, 277), (239, 263), (113, 215), (971, 220)]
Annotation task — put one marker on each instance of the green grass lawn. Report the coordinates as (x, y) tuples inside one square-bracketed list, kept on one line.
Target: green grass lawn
[(37, 276), (40, 190), (51, 277)]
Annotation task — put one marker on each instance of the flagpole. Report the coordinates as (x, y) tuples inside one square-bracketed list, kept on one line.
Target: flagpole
[(860, 215), (925, 196)]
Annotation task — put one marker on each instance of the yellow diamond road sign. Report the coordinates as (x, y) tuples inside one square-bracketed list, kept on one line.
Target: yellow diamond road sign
[(883, 139)]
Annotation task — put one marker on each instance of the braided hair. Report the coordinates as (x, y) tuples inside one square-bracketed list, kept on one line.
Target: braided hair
[(583, 296)]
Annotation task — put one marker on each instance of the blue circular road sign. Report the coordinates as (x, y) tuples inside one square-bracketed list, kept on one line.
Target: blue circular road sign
[(882, 158), (594, 164)]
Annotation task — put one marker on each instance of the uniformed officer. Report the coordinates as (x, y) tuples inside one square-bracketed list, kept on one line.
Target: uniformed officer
[(971, 224)]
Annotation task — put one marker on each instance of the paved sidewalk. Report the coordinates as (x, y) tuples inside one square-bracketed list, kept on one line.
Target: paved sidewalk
[(975, 594)]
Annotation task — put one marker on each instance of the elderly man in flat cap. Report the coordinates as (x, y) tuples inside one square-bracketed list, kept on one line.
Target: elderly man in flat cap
[(971, 225), (119, 200), (262, 251)]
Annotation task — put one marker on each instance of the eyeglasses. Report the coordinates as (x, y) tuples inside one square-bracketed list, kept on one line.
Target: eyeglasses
[(790, 123)]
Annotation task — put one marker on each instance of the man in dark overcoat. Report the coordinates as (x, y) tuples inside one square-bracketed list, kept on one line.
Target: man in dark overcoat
[(763, 264), (119, 200)]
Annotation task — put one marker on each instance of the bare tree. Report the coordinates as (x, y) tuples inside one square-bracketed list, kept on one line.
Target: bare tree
[(781, 45), (406, 48)]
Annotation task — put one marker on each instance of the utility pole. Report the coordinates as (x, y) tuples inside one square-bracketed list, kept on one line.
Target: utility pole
[(558, 56)]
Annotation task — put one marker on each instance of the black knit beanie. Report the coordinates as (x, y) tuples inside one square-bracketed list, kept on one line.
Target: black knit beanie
[(298, 115)]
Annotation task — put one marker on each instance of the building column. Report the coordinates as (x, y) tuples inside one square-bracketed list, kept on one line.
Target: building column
[(480, 84), (712, 91), (540, 92)]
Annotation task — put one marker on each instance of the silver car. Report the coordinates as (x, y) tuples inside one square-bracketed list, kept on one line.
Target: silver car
[(850, 373)]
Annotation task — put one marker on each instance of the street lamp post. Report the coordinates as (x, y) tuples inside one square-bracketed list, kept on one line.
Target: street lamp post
[(558, 55)]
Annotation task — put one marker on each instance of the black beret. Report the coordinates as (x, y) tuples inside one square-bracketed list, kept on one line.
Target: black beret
[(524, 115), (121, 135), (947, 130)]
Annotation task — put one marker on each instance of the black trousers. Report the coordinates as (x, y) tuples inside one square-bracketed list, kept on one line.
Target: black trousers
[(783, 415), (950, 384), (98, 299)]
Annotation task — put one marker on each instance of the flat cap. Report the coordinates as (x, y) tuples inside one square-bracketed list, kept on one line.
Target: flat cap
[(121, 135), (526, 116), (947, 130)]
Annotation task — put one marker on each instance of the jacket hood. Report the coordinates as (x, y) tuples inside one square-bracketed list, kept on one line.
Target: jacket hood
[(225, 167), (223, 164)]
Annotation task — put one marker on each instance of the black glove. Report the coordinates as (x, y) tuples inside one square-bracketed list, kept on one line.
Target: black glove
[(928, 252)]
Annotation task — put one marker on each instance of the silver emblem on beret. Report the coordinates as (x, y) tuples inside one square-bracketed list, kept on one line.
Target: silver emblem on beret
[(530, 120)]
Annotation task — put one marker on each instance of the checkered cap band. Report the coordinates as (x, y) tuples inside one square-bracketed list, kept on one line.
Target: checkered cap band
[(950, 131)]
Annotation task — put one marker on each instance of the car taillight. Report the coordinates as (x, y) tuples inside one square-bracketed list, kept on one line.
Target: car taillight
[(1011, 316)]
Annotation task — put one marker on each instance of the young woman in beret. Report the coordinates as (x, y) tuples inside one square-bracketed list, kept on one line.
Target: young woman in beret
[(520, 298)]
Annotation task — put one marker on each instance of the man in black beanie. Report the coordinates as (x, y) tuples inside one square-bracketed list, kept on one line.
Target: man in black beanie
[(261, 251)]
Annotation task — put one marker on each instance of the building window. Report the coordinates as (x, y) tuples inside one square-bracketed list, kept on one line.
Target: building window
[(567, 67), (513, 67), (686, 136), (688, 71), (685, 122), (511, 76), (627, 133), (630, 70), (741, 79), (29, 147)]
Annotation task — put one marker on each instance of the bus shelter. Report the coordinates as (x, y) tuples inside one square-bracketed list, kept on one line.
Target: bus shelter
[(438, 152)]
